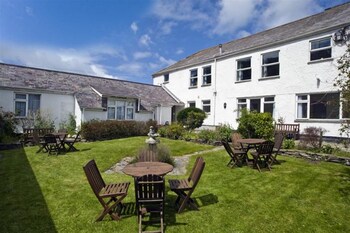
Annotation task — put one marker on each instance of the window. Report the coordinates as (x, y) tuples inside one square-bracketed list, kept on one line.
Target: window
[(121, 110), (318, 106), (166, 78), (346, 109), (269, 104), (264, 104), (206, 106), (320, 49), (241, 103), (244, 70), (26, 104), (191, 104), (193, 78), (270, 64), (207, 76)]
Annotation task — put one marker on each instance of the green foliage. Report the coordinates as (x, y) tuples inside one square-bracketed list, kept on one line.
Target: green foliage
[(7, 126), (173, 131), (162, 152), (208, 136), (110, 129), (255, 125), (70, 124), (191, 117), (343, 83), (224, 132), (288, 144), (37, 119)]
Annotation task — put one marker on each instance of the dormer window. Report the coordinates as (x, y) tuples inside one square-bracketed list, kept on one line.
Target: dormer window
[(166, 78)]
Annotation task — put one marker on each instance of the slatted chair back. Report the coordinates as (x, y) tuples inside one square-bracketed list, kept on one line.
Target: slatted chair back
[(196, 172), (265, 148), (94, 177), (150, 195), (278, 141), (234, 138)]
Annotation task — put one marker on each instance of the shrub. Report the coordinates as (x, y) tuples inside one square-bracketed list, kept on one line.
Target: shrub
[(208, 136), (191, 117), (224, 132), (312, 137), (162, 153), (288, 144), (110, 129), (255, 125), (7, 126), (174, 131)]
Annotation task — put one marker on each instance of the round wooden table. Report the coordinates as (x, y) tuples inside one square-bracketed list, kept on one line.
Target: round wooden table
[(144, 168)]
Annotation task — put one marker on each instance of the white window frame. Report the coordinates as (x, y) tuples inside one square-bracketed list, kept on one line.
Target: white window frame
[(265, 66), (300, 102), (121, 105), (206, 103), (205, 76), (320, 49), (192, 78), (26, 101), (246, 103), (240, 71), (241, 103), (265, 101)]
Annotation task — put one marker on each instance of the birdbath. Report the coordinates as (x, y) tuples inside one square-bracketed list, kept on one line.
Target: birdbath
[(152, 140)]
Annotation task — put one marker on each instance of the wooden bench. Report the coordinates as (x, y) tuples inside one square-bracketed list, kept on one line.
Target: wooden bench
[(289, 130), (33, 135)]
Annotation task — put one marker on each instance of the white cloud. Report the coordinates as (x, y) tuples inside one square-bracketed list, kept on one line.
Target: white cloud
[(141, 55), (164, 61), (179, 51), (131, 68), (145, 40), (84, 61), (278, 12), (134, 27), (167, 27)]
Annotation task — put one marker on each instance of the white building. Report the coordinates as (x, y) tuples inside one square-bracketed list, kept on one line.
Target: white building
[(288, 71), (24, 90)]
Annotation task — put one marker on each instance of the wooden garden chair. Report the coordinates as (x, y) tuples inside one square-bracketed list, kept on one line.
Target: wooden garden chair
[(236, 156), (279, 137), (50, 144), (184, 188), (235, 144), (71, 141), (150, 195), (110, 196), (263, 155)]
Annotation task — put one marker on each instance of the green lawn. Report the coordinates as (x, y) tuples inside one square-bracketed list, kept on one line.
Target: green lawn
[(41, 193)]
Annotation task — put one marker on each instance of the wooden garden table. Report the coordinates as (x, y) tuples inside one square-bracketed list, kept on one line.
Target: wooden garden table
[(143, 168)]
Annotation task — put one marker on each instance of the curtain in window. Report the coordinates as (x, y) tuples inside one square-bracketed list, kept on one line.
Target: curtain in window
[(33, 103)]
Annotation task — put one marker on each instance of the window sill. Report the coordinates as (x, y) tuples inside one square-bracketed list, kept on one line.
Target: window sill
[(243, 81), (192, 87), (320, 60), (165, 82), (269, 78), (206, 85), (318, 120)]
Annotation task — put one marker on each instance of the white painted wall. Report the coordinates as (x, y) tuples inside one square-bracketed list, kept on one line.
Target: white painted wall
[(77, 113), (144, 116), (89, 114), (163, 114), (297, 76), (6, 100)]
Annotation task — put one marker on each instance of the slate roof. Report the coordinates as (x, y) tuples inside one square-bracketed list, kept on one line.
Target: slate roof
[(331, 19), (83, 86)]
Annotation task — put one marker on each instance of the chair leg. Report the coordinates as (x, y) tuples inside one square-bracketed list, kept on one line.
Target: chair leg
[(109, 209)]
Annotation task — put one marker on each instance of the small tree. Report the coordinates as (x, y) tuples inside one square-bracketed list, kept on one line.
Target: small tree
[(191, 117), (255, 125), (343, 83), (7, 126)]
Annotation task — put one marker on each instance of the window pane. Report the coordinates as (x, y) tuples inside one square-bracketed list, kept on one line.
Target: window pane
[(207, 70), (21, 96), (270, 57), (192, 104), (110, 113), (302, 97), (346, 109), (207, 80), (206, 106), (273, 70), (33, 103), (269, 99), (129, 113), (166, 77), (316, 55), (244, 75), (242, 100), (193, 82), (244, 63), (255, 105), (269, 108), (194, 73), (20, 109), (321, 43), (302, 110), (120, 112), (324, 106)]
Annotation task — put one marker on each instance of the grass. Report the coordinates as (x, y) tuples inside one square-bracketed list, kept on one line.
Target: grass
[(41, 193)]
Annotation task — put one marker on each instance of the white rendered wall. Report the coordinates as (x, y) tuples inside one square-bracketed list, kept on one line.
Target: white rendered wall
[(163, 114), (77, 113), (297, 76), (6, 100), (89, 115), (143, 116)]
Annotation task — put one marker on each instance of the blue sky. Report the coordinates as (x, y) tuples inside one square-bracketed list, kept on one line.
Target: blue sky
[(132, 39)]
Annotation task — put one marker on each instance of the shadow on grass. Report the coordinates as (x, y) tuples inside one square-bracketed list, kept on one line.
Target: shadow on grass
[(22, 204), (345, 182)]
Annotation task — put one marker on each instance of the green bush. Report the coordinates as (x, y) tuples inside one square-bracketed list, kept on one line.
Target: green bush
[(255, 125), (175, 131), (224, 131), (7, 126), (191, 117), (162, 153), (208, 136), (288, 144), (101, 130)]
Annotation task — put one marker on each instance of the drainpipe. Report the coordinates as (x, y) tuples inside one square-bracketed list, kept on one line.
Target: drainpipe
[(215, 91)]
